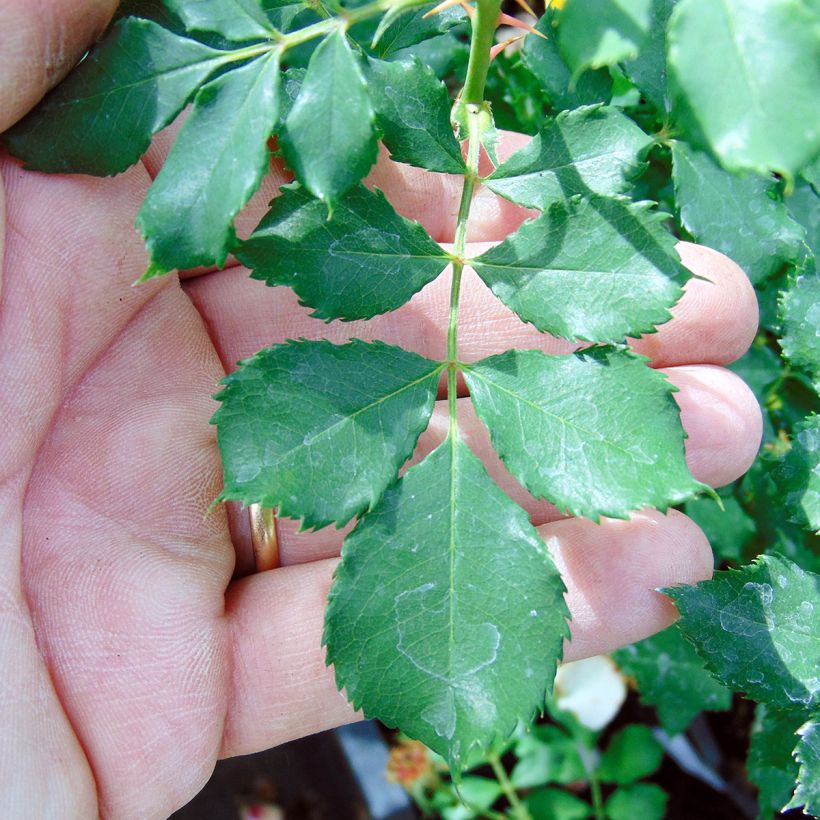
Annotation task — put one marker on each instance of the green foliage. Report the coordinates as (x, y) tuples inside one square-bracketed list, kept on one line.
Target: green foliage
[(600, 410), (411, 631), (357, 409), (671, 677), (328, 137), (215, 165), (758, 630), (552, 272), (365, 261), (413, 113), (742, 217), (447, 617), (746, 96), (588, 150)]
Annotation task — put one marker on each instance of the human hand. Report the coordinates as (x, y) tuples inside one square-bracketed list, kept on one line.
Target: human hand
[(131, 659)]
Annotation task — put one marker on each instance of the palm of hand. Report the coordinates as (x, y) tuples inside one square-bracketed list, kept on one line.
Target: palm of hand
[(136, 670)]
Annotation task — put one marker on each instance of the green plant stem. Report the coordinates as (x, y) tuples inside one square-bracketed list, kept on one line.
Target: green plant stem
[(484, 24), (597, 797), (517, 808)]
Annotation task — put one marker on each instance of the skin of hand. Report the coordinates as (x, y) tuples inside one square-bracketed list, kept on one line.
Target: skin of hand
[(131, 659)]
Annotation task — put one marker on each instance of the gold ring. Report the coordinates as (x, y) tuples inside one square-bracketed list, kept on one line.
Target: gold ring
[(264, 538)]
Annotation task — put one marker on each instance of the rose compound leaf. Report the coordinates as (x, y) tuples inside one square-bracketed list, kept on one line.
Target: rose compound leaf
[(595, 269), (671, 677), (100, 120), (588, 150), (747, 95), (365, 261), (797, 475), (758, 629), (237, 20), (740, 216), (595, 432), (215, 166), (597, 33), (648, 69), (544, 59), (329, 139), (415, 634), (770, 765), (807, 754), (800, 312), (413, 113), (317, 430)]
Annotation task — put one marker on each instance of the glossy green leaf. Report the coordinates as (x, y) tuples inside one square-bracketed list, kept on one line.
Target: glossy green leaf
[(770, 765), (758, 629), (413, 113), (318, 431), (800, 312), (546, 754), (632, 753), (237, 20), (329, 139), (595, 432), (648, 69), (588, 150), (416, 636), (747, 96), (412, 27), (215, 166), (543, 58), (598, 33), (596, 269), (727, 525), (646, 801), (807, 754), (100, 120), (797, 476), (671, 677), (556, 804), (365, 261), (804, 206), (741, 216)]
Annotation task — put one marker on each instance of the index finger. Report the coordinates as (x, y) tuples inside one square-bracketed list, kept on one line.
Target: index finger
[(40, 45)]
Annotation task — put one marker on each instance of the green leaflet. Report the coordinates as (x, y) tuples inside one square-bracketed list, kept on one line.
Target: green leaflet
[(758, 629), (589, 150), (648, 69), (739, 216), (573, 429), (804, 206), (807, 755), (407, 27), (632, 753), (328, 138), (747, 95), (215, 166), (413, 113), (365, 261), (800, 312), (671, 677), (646, 801), (597, 33), (770, 765), (556, 804), (101, 119), (415, 636), (596, 269), (237, 20), (797, 476), (543, 58), (546, 754), (318, 430)]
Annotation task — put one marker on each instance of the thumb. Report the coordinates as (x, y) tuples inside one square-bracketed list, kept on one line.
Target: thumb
[(41, 42)]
